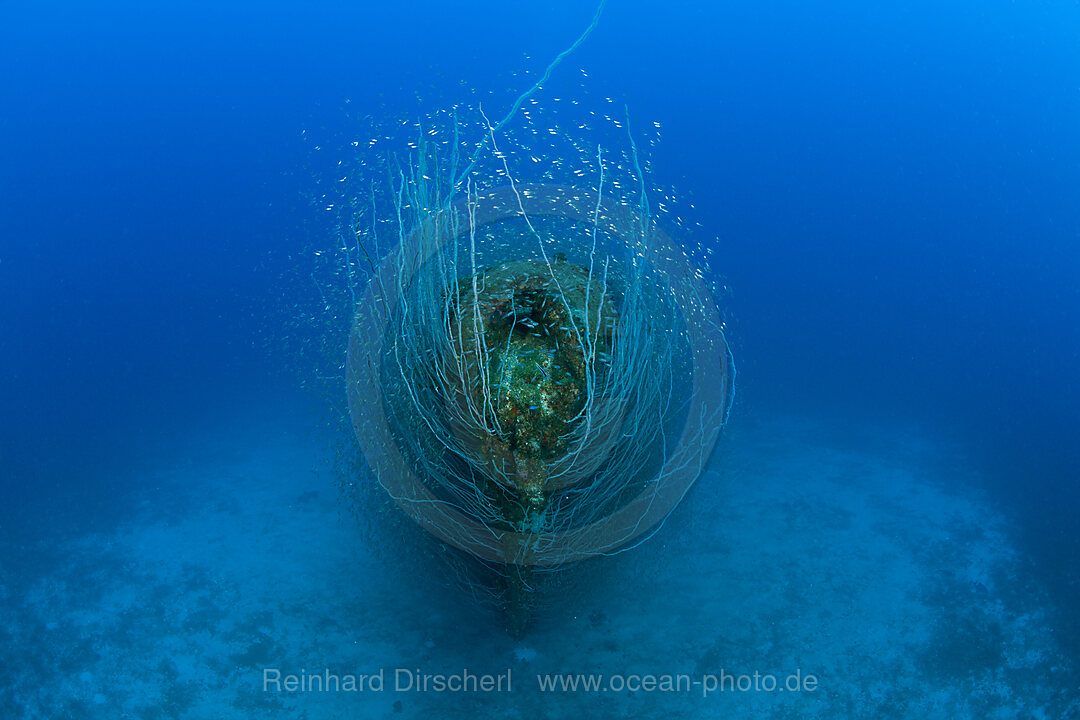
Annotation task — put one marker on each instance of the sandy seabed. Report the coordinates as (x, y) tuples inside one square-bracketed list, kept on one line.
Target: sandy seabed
[(863, 560)]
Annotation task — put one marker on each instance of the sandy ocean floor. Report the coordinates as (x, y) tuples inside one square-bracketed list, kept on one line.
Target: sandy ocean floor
[(803, 552)]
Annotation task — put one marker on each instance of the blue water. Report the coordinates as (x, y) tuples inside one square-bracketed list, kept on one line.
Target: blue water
[(891, 191)]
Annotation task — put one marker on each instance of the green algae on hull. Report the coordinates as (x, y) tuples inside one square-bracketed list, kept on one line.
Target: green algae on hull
[(528, 337)]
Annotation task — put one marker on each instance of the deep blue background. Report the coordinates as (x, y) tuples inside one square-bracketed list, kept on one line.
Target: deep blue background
[(896, 193)]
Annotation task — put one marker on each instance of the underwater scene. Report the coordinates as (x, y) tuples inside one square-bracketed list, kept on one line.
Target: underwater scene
[(606, 359)]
